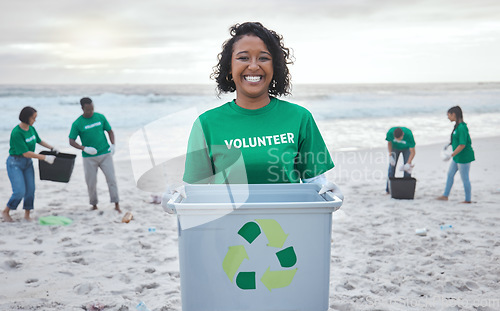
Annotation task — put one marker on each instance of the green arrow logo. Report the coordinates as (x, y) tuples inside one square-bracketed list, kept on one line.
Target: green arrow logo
[(277, 279), (234, 258), (250, 231), (273, 231)]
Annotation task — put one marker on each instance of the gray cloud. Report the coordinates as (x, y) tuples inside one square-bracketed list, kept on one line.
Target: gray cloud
[(142, 36)]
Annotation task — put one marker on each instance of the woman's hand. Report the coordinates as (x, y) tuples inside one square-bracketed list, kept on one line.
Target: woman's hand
[(49, 158)]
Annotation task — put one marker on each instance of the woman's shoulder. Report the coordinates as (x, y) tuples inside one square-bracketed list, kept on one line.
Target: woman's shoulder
[(281, 106), (215, 111), (286, 105), (16, 131)]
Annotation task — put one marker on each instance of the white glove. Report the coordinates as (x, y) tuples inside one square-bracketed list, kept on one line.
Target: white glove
[(90, 150), (112, 149), (49, 158), (407, 168), (329, 186), (54, 149), (326, 185), (168, 194), (446, 153), (392, 159)]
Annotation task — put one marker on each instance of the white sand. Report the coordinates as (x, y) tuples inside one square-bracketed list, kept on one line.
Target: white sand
[(378, 262)]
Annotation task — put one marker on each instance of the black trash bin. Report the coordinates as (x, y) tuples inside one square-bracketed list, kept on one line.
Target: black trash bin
[(60, 170), (402, 188)]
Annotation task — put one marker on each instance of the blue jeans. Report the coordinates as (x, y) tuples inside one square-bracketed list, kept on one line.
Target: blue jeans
[(22, 178), (464, 169), (392, 169)]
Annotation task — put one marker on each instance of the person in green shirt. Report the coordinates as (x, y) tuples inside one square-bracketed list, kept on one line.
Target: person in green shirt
[(23, 140), (462, 154), (96, 151), (400, 141), (256, 138)]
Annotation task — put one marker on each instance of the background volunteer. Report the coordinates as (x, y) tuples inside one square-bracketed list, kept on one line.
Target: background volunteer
[(23, 140), (400, 141), (462, 154), (96, 151)]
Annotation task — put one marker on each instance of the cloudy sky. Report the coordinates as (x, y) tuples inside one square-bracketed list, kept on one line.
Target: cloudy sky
[(164, 41)]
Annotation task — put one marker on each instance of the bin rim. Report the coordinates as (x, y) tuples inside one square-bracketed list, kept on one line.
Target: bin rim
[(402, 178), (330, 204), (58, 154)]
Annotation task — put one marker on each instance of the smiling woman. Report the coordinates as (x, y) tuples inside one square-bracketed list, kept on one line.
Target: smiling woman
[(238, 141), (266, 44), (252, 72)]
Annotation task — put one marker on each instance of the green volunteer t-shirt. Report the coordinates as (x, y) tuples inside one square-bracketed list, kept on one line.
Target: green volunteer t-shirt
[(91, 132), (461, 136), (279, 143), (22, 141), (407, 142)]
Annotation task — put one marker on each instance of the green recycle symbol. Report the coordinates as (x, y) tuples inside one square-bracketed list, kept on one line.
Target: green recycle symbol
[(276, 238)]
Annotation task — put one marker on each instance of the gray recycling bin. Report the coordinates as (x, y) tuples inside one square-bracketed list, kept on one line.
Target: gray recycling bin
[(261, 247)]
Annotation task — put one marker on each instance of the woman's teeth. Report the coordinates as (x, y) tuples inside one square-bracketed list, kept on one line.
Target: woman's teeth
[(253, 78)]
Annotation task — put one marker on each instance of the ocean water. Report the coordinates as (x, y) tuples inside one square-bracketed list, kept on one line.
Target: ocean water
[(350, 116)]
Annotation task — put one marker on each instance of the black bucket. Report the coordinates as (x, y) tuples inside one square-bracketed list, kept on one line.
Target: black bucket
[(402, 188), (60, 170)]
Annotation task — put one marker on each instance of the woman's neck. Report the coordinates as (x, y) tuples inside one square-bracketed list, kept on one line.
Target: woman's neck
[(24, 126), (251, 103)]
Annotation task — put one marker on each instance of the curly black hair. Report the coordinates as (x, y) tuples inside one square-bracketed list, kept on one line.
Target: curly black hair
[(280, 84)]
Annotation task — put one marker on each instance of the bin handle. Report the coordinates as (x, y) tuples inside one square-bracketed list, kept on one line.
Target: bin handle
[(169, 206), (332, 196)]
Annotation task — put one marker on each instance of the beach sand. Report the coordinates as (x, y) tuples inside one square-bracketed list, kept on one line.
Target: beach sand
[(378, 262)]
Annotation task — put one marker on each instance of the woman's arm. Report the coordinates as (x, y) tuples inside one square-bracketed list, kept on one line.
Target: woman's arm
[(32, 155), (46, 145), (458, 150)]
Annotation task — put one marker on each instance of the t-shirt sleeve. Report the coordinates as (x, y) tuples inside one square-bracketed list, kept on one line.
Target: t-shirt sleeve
[(105, 123), (313, 157), (38, 140), (18, 143), (389, 136), (462, 135), (73, 133), (198, 166)]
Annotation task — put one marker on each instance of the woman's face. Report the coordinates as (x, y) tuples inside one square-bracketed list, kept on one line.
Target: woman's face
[(32, 119), (251, 67), (452, 117)]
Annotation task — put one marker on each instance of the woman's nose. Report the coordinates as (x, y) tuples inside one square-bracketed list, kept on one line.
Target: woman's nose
[(253, 64)]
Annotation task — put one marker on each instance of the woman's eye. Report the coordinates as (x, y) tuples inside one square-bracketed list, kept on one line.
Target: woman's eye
[(242, 58)]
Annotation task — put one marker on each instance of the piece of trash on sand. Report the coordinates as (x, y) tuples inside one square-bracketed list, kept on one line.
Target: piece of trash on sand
[(95, 306), (446, 227), (127, 217), (142, 307), (421, 232), (154, 199)]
